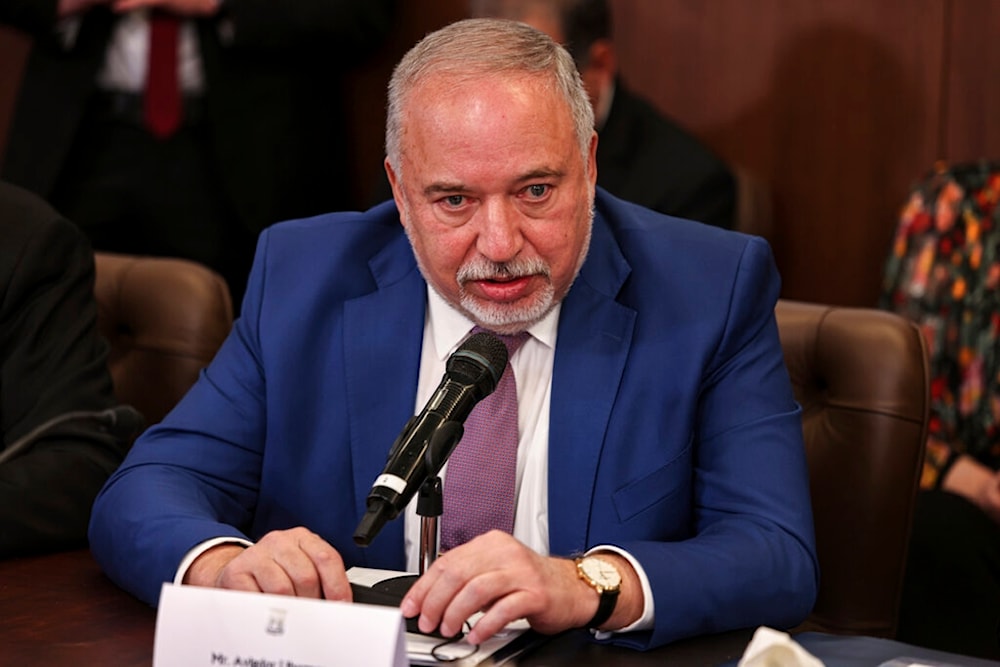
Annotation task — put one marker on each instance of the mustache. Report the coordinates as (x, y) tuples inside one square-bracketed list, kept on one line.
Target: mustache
[(484, 269)]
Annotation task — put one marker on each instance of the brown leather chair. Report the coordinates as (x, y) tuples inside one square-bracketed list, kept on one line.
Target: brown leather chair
[(165, 319), (861, 377)]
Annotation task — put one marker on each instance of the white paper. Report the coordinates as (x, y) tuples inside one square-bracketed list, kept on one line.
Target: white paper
[(419, 647), (212, 627), (773, 648), (461, 653)]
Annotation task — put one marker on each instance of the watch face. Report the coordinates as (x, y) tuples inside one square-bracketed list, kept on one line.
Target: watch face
[(601, 571)]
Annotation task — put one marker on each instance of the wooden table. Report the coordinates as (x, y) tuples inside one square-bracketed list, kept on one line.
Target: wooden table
[(60, 610)]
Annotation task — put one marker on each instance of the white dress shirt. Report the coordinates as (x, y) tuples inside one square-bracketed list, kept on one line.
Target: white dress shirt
[(125, 60), (444, 329)]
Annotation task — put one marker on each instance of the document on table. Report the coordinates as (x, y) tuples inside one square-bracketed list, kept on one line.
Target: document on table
[(427, 650)]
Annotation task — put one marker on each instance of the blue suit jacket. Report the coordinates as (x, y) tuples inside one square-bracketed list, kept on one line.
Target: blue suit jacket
[(674, 432)]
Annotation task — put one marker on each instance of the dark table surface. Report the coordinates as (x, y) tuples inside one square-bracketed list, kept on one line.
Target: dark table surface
[(60, 610)]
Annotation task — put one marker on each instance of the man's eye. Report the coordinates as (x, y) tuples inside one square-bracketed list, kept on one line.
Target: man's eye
[(538, 190), (454, 200)]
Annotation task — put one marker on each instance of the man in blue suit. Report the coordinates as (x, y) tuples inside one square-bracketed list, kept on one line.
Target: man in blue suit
[(658, 434)]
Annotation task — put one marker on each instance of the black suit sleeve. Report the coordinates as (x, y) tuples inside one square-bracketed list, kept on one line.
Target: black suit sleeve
[(33, 16), (710, 199), (52, 361)]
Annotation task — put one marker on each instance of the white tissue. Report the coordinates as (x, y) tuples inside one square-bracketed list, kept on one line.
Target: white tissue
[(772, 648)]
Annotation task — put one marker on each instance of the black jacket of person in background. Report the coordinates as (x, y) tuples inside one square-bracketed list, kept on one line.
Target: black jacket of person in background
[(646, 158), (270, 127), (52, 362), (273, 97)]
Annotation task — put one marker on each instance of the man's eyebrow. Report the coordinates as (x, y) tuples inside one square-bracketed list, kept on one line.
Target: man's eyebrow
[(541, 173), (445, 187)]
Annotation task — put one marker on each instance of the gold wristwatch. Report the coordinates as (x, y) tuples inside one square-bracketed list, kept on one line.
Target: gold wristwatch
[(604, 578)]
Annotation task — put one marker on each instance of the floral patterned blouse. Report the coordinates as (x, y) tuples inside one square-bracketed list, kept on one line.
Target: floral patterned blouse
[(943, 273)]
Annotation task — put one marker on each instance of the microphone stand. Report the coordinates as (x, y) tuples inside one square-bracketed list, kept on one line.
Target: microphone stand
[(430, 497), (430, 505)]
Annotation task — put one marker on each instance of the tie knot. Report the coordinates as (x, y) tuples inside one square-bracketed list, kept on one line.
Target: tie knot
[(513, 342)]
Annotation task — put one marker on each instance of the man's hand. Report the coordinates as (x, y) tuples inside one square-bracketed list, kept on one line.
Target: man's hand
[(180, 7), (284, 562), (977, 483), (498, 575)]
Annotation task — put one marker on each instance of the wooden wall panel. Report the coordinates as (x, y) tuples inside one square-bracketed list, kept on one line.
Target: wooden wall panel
[(834, 104), (972, 97), (366, 88)]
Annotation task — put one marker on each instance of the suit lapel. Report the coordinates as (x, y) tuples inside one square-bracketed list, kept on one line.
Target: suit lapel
[(383, 331), (595, 333)]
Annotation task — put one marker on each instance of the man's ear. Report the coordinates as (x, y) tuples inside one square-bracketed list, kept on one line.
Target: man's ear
[(397, 188)]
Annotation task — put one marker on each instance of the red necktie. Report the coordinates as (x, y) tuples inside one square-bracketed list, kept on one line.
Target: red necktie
[(162, 103), (481, 478)]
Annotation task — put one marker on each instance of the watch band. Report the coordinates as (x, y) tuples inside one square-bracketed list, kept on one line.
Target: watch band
[(605, 608)]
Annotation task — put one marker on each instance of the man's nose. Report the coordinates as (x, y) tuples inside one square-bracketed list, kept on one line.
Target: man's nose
[(500, 238)]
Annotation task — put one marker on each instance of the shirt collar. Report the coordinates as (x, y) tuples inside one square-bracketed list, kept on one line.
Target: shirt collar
[(447, 327)]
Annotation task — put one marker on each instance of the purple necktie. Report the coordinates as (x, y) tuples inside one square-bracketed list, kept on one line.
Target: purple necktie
[(482, 471)]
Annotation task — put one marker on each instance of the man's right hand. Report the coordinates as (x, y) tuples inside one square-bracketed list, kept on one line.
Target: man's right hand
[(284, 562)]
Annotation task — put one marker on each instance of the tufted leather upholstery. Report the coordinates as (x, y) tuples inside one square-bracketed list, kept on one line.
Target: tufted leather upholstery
[(165, 318), (861, 377)]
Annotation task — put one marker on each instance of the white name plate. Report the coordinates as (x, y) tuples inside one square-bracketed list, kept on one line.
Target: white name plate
[(212, 627)]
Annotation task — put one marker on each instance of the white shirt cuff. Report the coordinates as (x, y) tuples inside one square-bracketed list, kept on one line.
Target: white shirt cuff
[(201, 548)]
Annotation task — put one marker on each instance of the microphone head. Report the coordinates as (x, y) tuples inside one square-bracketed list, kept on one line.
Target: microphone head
[(480, 360), (125, 421)]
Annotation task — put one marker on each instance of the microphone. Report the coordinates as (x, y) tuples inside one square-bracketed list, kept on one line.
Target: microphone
[(427, 440), (122, 421)]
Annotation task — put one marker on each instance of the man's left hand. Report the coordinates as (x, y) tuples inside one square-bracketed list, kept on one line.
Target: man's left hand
[(496, 574)]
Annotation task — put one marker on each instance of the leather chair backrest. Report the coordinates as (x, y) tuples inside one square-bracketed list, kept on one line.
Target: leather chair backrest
[(165, 319), (861, 377)]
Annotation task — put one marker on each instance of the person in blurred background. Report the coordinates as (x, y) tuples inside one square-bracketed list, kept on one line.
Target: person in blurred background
[(944, 274), (59, 440), (642, 155), (184, 127)]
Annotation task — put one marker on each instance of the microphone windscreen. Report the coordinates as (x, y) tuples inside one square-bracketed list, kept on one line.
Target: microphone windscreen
[(480, 351), (125, 421)]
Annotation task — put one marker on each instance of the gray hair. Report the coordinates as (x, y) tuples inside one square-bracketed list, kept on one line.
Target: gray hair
[(475, 47)]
